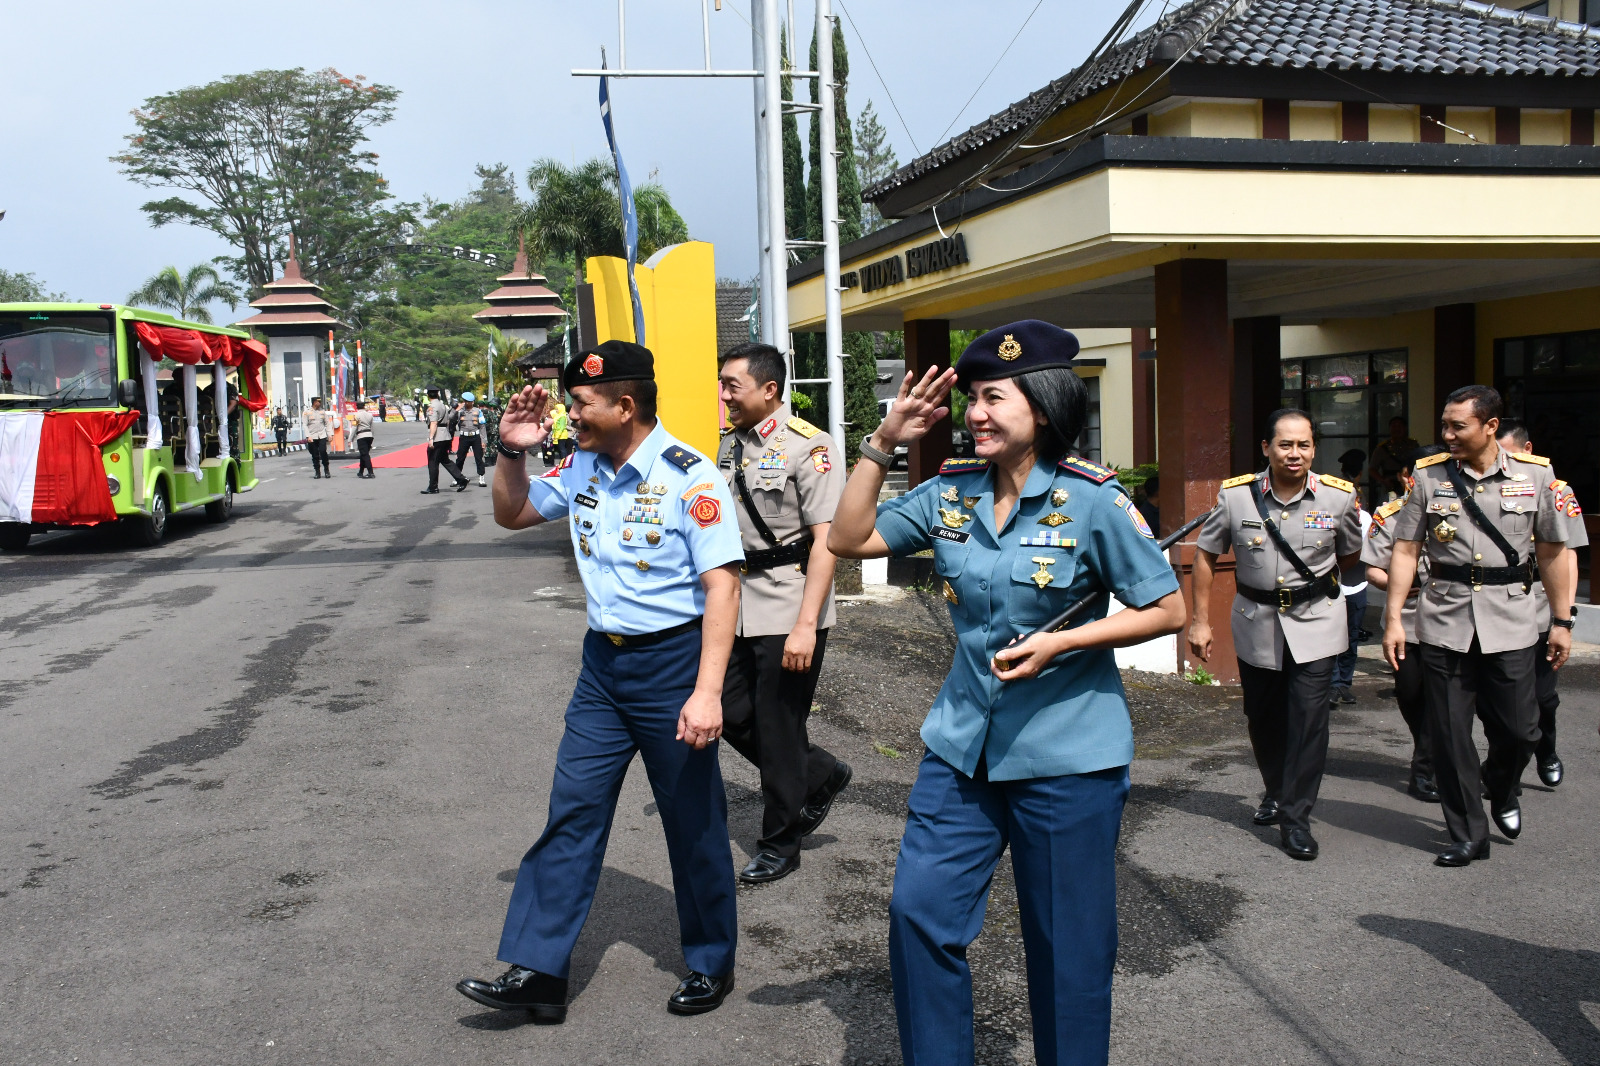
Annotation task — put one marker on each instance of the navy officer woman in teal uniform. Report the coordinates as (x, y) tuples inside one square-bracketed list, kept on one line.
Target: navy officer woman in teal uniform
[(1028, 743)]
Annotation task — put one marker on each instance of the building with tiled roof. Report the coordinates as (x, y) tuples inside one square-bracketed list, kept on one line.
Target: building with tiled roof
[(1353, 206), (523, 306)]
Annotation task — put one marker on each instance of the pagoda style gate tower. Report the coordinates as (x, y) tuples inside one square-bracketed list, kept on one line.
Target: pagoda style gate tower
[(523, 307), (295, 319)]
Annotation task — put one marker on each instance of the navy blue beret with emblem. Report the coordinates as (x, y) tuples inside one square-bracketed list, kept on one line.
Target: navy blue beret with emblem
[(1015, 349), (611, 361)]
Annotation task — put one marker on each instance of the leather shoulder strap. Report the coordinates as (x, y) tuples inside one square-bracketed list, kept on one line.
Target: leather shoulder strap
[(1481, 520), (762, 529), (1260, 496)]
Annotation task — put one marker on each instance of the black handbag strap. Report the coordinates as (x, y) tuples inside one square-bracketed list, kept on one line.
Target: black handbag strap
[(744, 494), (1468, 504), (1288, 553)]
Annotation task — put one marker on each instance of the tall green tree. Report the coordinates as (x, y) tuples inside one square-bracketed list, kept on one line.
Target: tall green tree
[(794, 171), (186, 294), (480, 219), (253, 157), (660, 225), (574, 212), (844, 144), (875, 160), (17, 287)]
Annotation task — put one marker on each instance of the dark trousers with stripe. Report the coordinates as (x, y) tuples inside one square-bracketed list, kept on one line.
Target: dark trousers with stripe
[(1287, 711), (1499, 687), (627, 701), (1062, 832)]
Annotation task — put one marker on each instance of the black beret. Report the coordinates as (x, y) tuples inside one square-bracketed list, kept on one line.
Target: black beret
[(611, 361), (1015, 349)]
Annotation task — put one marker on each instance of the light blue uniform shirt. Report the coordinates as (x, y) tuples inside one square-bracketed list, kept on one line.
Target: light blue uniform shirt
[(644, 534), (1073, 717)]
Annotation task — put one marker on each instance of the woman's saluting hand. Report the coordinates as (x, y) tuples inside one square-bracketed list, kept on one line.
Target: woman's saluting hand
[(916, 408)]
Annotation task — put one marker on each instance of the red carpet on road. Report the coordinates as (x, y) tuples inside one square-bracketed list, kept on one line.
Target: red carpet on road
[(405, 459)]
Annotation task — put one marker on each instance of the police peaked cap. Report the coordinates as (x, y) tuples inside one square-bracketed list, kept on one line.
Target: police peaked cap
[(1018, 348), (611, 361)]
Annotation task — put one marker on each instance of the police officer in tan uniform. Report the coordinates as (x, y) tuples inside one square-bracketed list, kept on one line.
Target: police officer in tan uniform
[(1292, 532), (1482, 515), (1513, 437), (786, 476), (361, 424), (319, 427), (1376, 554)]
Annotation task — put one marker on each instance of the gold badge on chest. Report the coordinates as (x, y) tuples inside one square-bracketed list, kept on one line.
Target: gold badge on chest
[(970, 502), (953, 519), (1444, 532), (1058, 497), (950, 594), (1053, 519), (1042, 576), (950, 495)]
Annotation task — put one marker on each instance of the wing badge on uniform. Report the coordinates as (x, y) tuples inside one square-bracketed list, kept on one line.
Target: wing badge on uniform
[(950, 594), (953, 519), (1053, 519)]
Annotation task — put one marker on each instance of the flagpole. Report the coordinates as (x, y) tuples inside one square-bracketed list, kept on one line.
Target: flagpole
[(630, 213), (491, 369), (361, 374)]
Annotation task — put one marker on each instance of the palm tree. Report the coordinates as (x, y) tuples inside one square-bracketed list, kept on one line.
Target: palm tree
[(659, 222), (186, 295), (574, 212)]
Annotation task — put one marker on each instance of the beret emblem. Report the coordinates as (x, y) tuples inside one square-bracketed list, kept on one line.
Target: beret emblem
[(1009, 349), (593, 366)]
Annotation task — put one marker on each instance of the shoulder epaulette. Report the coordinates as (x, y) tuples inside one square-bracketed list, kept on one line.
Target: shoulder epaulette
[(1235, 482), (680, 457), (802, 427), (962, 466), (1382, 514), (1527, 457), (1431, 460), (1084, 468), (1337, 482)]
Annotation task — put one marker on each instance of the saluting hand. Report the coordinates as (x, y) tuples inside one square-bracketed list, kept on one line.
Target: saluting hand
[(917, 407), (527, 421)]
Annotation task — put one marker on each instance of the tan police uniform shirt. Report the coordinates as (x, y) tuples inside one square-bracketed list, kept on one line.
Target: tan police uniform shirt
[(439, 414), (1577, 537), (1320, 523), (318, 423), (1378, 551), (795, 475), (471, 423), (1515, 495), (363, 422)]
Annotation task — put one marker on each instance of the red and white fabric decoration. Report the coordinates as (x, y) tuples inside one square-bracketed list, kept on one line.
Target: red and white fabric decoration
[(51, 470)]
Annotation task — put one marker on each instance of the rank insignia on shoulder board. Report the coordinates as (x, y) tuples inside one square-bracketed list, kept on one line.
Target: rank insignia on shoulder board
[(802, 427), (682, 458), (963, 466), (1084, 468)]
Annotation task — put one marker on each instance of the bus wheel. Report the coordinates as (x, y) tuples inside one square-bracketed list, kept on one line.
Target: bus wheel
[(14, 536), (221, 510), (147, 530)]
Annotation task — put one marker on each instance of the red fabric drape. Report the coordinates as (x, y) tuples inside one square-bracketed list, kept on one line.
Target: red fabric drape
[(252, 357), (70, 479), (180, 345)]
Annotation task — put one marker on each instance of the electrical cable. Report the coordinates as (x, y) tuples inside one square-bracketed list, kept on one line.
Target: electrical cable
[(986, 77), (879, 73)]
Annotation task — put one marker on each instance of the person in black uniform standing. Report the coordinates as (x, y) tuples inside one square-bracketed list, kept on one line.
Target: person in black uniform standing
[(280, 430)]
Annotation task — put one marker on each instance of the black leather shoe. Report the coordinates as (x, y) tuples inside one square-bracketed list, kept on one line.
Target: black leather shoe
[(461, 486), (699, 993), (1550, 771), (519, 988), (1508, 816), (1347, 695), (315, 476), (1463, 852), (430, 492), (769, 866), (1423, 788), (1298, 844), (1268, 813), (815, 812)]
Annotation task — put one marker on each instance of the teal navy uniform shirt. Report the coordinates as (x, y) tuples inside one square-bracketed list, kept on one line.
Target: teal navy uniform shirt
[(1074, 531), (644, 534)]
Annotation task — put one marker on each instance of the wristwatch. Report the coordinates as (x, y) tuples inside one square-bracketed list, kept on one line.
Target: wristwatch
[(509, 453), (868, 451), (1564, 623)]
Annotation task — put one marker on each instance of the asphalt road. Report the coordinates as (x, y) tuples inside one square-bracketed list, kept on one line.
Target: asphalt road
[(262, 790)]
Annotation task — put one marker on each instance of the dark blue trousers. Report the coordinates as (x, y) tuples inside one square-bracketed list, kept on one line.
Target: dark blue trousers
[(1063, 837), (627, 701)]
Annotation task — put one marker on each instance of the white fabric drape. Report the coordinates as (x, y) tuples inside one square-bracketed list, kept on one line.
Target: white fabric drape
[(219, 385), (191, 414), (152, 410), (19, 463)]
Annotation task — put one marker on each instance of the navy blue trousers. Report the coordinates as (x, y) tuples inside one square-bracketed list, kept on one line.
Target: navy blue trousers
[(1063, 837), (627, 701)]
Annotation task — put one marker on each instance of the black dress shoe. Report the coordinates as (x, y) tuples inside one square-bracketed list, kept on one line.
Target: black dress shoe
[(1550, 771), (315, 476), (519, 988), (1463, 852), (1298, 844), (769, 866), (430, 492), (461, 486), (1508, 816), (1347, 695), (815, 812), (699, 993), (1423, 788), (1268, 813)]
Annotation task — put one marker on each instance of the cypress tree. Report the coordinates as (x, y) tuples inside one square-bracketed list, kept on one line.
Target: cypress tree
[(794, 177)]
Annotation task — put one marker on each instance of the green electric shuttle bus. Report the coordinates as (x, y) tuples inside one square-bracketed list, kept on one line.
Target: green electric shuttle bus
[(114, 414)]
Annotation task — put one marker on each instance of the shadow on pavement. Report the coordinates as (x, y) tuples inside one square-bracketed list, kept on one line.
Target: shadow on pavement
[(1545, 986)]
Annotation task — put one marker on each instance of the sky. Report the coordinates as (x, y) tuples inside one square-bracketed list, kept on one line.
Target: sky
[(481, 82)]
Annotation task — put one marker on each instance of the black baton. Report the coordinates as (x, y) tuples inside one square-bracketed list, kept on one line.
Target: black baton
[(1082, 606)]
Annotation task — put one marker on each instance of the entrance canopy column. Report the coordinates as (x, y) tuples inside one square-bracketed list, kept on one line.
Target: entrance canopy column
[(1194, 387), (928, 345), (1257, 386)]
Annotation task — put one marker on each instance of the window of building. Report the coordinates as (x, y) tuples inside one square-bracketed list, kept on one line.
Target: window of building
[(1089, 440), (1352, 399), (1552, 383)]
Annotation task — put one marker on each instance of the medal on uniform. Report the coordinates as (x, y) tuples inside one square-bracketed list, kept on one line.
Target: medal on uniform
[(1053, 519), (970, 502), (950, 495), (627, 534), (642, 565), (583, 543), (950, 594), (953, 519), (1058, 497), (1042, 576), (594, 479), (1444, 532), (652, 537), (643, 488), (659, 490)]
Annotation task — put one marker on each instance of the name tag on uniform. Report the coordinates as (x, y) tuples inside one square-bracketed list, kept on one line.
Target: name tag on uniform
[(587, 501), (1445, 490), (1519, 489), (1319, 519), (949, 534), (1250, 523)]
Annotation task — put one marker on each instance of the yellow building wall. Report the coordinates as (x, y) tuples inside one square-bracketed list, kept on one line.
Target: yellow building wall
[(677, 292), (1545, 127), (1115, 346), (1478, 121), (1313, 121), (1392, 122), (1412, 331), (1524, 316), (1225, 118), (1171, 122)]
